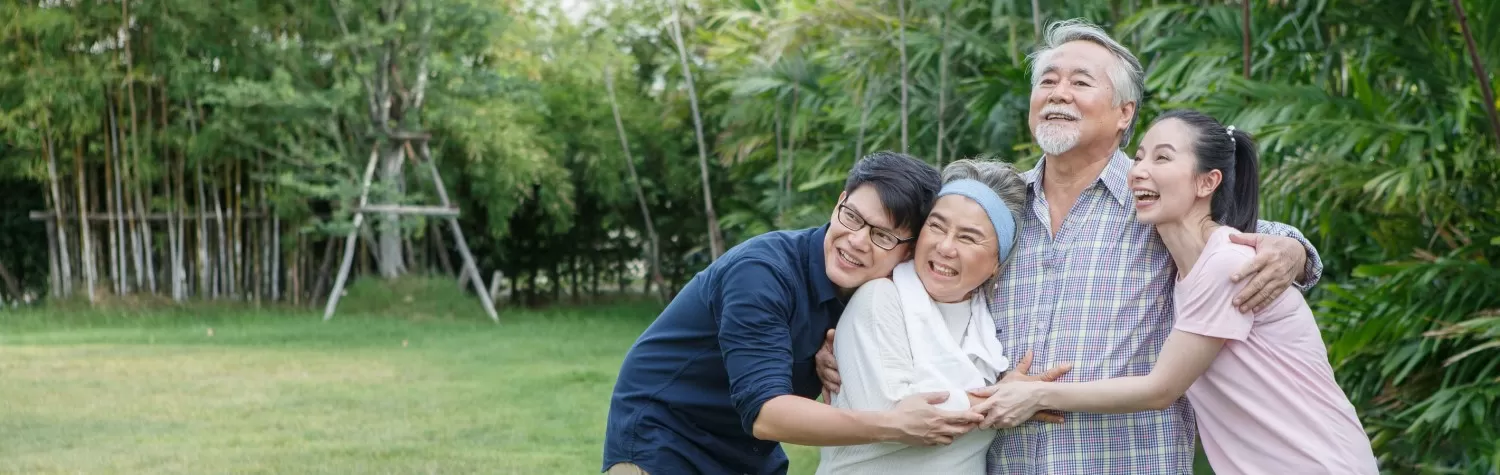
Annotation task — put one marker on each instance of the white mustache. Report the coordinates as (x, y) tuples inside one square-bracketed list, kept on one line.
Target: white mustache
[(1056, 109)]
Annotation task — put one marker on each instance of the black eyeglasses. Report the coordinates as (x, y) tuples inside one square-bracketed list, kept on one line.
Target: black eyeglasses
[(884, 238)]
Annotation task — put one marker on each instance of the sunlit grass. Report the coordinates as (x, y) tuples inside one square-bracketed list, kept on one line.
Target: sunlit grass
[(390, 385)]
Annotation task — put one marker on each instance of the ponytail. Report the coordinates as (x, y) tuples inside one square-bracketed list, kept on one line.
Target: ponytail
[(1244, 193)]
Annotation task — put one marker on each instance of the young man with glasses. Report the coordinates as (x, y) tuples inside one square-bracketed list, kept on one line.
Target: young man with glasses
[(726, 373)]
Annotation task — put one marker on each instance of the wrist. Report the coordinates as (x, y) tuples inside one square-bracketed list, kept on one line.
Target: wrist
[(1042, 395), (881, 423)]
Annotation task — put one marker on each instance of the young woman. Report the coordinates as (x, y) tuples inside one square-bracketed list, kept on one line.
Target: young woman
[(1260, 384), (928, 329)]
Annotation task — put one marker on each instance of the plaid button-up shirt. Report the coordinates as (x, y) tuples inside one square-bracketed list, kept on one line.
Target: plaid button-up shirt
[(1098, 295)]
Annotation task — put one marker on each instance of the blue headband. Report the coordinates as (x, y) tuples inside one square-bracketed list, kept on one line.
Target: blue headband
[(1000, 216)]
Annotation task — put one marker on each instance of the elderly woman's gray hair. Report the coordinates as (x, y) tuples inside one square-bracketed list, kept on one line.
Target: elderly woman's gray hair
[(1127, 76), (1000, 177)]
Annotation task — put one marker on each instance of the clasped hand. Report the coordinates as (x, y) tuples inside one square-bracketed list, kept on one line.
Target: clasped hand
[(1014, 399)]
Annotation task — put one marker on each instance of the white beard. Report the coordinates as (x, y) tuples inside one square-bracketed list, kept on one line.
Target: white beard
[(1056, 139)]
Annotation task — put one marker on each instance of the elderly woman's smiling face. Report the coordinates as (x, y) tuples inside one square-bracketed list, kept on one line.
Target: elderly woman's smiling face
[(957, 250)]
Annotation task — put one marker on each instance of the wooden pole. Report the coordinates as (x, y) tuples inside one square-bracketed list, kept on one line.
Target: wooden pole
[(458, 234), (349, 242)]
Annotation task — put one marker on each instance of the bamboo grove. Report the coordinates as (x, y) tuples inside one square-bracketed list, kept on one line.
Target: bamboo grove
[(190, 151)]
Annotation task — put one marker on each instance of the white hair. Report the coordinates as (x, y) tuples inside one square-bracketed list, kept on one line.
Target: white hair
[(1126, 74)]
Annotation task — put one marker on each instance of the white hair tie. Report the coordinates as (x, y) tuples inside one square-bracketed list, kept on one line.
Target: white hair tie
[(1230, 131)]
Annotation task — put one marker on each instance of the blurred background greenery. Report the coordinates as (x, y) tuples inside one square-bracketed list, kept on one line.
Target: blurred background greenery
[(214, 151)]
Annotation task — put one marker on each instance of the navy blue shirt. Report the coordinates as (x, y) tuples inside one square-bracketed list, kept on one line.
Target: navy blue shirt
[(743, 331)]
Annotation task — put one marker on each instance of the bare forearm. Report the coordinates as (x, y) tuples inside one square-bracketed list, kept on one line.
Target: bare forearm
[(1111, 396), (802, 421)]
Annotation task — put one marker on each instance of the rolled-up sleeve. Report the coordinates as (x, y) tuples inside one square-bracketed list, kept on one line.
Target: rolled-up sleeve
[(754, 334), (1313, 270)]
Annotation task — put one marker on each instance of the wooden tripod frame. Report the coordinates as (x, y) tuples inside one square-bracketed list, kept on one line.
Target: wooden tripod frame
[(447, 211)]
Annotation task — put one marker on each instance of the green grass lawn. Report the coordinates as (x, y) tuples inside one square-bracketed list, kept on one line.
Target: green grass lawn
[(407, 378)]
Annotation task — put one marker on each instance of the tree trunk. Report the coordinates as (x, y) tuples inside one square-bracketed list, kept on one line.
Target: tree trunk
[(715, 237), (64, 264), (901, 4), (653, 250), (1479, 71), (388, 231)]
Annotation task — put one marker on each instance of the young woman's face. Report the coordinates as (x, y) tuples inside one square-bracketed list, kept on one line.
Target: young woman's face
[(1164, 179), (957, 250)]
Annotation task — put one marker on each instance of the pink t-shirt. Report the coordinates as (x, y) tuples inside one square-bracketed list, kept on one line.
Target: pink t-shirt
[(1268, 404)]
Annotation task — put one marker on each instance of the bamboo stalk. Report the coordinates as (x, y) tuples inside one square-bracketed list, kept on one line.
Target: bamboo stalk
[(225, 284), (791, 149), (715, 235), (172, 236), (111, 180), (1245, 39), (88, 254), (205, 278), (142, 241), (237, 231), (653, 242), (179, 207), (1479, 72), (458, 234), (276, 257), (901, 5), (942, 108), (54, 284), (64, 264)]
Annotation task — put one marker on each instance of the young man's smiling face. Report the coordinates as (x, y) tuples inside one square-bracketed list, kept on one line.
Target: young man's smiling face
[(858, 232)]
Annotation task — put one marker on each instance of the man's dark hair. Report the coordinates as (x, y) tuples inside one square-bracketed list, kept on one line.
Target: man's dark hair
[(907, 186)]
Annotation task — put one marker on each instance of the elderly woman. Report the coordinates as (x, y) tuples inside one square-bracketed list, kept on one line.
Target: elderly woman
[(928, 327)]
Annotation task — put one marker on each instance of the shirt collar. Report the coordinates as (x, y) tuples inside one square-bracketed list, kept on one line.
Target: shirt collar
[(823, 289), (1115, 177)]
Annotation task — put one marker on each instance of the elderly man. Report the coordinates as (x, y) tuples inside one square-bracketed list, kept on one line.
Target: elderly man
[(1088, 284)]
